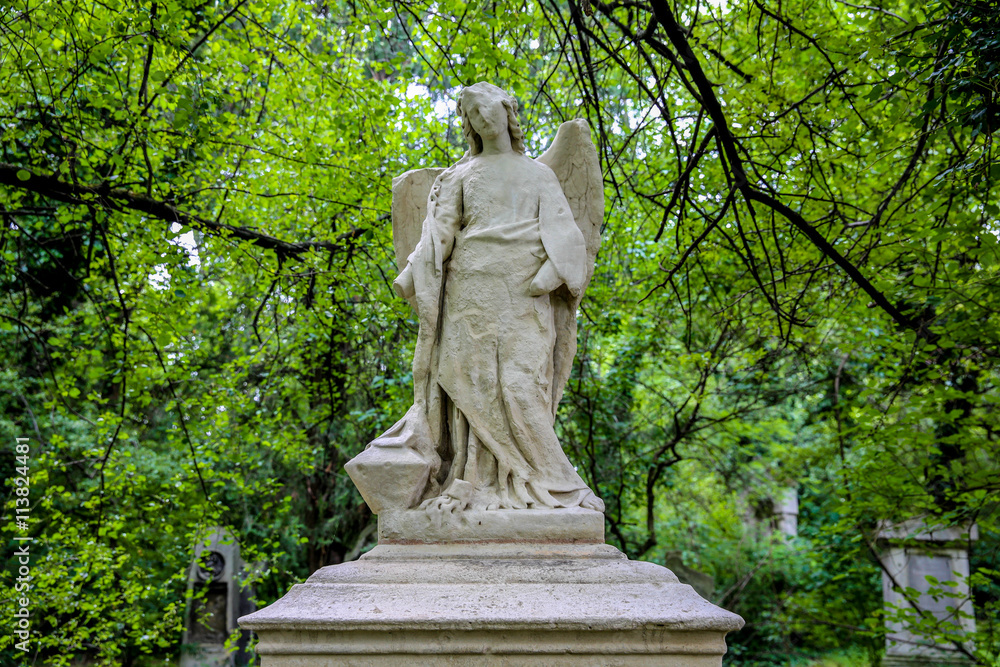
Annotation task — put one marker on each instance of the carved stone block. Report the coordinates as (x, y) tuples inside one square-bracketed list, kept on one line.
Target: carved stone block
[(389, 477)]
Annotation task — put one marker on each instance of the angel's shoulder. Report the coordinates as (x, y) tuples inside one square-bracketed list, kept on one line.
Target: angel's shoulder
[(456, 171), (539, 170), (452, 177)]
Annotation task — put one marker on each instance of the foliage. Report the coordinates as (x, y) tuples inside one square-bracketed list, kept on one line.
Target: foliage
[(797, 287), (963, 71)]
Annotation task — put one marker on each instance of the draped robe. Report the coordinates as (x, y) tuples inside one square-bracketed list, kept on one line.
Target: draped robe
[(483, 364)]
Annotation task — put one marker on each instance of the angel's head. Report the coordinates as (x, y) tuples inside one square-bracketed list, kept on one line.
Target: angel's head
[(485, 110)]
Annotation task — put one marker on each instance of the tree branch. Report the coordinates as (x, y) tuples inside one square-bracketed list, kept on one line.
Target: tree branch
[(825, 247), (710, 101), (123, 200)]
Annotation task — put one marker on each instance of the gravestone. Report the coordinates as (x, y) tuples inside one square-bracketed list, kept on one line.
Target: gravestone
[(702, 583), (786, 512), (490, 544), (218, 602), (934, 562)]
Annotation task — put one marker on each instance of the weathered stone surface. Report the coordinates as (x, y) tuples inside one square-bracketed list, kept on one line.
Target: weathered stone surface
[(786, 512), (409, 202), (917, 530), (494, 261), (212, 614), (491, 546), (389, 478), (915, 551), (701, 582), (501, 649), (563, 525), (912, 660), (489, 604)]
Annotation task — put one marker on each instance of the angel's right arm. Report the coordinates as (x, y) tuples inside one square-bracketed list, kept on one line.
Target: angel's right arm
[(444, 212), (403, 284), (437, 240)]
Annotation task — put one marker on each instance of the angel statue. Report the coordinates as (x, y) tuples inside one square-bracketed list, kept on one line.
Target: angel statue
[(495, 265)]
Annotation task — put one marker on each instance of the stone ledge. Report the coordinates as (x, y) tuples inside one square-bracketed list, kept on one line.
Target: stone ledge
[(478, 551), (918, 530), (492, 604), (542, 588), (441, 657), (500, 606), (492, 564), (924, 661), (560, 526), (478, 642)]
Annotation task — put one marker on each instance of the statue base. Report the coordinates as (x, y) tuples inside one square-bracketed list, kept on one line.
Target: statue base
[(569, 526), (488, 603), (925, 661)]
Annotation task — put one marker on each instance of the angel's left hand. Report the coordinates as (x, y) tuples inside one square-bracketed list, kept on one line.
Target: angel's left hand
[(403, 284), (546, 280)]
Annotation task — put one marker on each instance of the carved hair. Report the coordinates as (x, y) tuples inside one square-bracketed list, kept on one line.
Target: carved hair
[(513, 124)]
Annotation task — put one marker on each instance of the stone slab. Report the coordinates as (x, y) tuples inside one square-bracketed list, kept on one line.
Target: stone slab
[(925, 661), (921, 531), (492, 604), (496, 649), (416, 526), (915, 554)]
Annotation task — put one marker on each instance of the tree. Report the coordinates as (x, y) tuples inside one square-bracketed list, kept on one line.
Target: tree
[(195, 310), (797, 283)]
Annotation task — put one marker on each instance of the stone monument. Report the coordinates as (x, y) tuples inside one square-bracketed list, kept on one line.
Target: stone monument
[(491, 546), (218, 601), (786, 512), (932, 562)]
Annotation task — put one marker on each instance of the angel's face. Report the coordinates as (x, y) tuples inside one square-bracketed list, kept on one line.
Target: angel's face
[(486, 113)]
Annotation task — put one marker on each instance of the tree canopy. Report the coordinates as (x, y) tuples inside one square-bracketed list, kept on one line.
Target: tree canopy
[(797, 288)]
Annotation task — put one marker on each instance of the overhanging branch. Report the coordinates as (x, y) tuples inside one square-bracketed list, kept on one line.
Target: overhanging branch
[(825, 247), (124, 200), (679, 40)]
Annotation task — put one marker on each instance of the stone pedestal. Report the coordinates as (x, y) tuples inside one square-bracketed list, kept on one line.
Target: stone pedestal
[(474, 596), (786, 512), (916, 556), (211, 615)]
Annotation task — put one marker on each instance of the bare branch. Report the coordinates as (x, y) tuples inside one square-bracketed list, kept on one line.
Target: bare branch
[(123, 200)]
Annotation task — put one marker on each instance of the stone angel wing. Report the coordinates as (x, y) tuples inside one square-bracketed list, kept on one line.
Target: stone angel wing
[(573, 158), (409, 207)]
